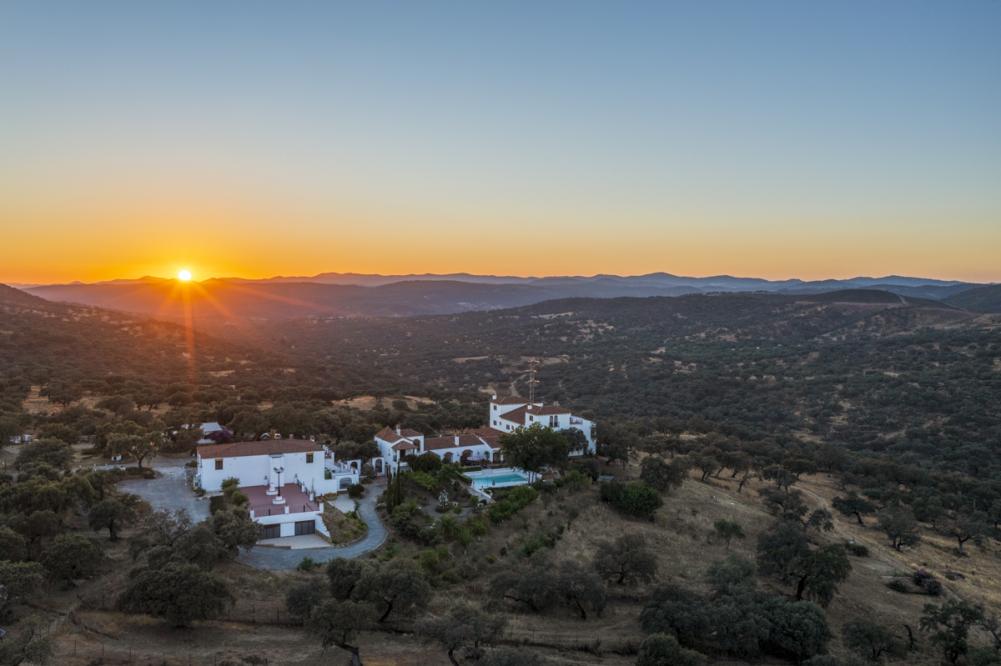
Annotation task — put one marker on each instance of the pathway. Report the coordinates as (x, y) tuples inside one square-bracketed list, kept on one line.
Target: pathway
[(169, 490), (282, 559)]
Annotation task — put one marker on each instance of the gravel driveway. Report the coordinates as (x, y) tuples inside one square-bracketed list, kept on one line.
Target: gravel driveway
[(282, 558), (170, 491)]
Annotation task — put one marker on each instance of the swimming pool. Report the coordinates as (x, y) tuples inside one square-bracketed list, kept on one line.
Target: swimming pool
[(497, 478)]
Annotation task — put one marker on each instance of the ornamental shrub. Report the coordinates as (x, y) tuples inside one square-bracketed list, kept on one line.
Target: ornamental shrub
[(633, 499)]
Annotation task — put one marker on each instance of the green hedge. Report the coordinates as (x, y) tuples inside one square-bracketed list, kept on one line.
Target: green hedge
[(634, 499), (511, 503)]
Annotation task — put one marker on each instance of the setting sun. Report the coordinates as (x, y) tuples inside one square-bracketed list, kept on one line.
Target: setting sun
[(184, 275)]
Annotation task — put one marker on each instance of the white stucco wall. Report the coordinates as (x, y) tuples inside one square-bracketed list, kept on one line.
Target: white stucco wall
[(495, 420), (478, 452), (257, 470), (565, 422), (498, 409), (288, 521)]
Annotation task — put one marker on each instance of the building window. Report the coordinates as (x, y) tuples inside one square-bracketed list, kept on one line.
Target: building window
[(495, 407), (309, 457), (218, 463)]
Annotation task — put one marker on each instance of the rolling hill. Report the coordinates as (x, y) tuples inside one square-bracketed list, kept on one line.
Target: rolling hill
[(43, 342), (978, 299), (237, 299), (351, 295)]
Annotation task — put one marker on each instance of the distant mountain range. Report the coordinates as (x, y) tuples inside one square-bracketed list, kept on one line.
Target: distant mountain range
[(661, 280), (350, 294)]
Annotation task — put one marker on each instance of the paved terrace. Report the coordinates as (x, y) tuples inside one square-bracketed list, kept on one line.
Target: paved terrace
[(261, 503), (170, 491)]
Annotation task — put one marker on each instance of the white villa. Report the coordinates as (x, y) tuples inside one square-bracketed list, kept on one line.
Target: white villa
[(282, 478), (482, 445)]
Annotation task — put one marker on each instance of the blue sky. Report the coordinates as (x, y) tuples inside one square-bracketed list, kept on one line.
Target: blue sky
[(773, 138)]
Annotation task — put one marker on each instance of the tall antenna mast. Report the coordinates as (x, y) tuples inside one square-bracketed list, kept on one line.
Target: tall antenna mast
[(532, 381)]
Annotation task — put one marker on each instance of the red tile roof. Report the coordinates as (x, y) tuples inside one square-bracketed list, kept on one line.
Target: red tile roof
[(488, 436), (515, 415), (435, 443), (404, 445), (264, 447), (388, 434), (466, 439), (510, 400), (493, 441)]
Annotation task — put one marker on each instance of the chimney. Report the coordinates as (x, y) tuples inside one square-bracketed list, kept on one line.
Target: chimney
[(397, 429), (456, 439)]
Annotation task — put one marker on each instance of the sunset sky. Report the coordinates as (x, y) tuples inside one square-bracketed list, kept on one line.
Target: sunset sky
[(773, 139)]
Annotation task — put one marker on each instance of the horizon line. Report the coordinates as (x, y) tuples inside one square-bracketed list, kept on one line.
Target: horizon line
[(459, 274)]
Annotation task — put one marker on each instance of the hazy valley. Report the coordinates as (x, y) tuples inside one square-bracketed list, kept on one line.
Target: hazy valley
[(845, 390)]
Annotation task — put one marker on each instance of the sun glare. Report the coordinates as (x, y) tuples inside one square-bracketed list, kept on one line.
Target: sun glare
[(184, 275)]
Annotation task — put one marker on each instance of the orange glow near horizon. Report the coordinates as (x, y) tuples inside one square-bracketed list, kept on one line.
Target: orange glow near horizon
[(684, 252), (500, 140), (256, 239)]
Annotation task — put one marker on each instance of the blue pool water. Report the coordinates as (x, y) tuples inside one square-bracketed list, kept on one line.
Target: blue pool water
[(497, 478), (502, 479)]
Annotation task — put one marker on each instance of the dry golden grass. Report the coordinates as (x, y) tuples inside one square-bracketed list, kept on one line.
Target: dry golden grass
[(682, 538), (980, 568), (36, 403), (343, 528), (366, 403)]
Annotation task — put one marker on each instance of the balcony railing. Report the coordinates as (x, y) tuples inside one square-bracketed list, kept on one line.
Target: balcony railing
[(282, 509)]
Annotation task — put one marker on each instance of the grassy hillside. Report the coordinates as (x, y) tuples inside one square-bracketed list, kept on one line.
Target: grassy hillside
[(575, 524), (795, 396)]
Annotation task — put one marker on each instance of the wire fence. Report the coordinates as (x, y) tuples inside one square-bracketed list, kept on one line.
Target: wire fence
[(100, 652), (109, 654), (243, 612), (95, 648)]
